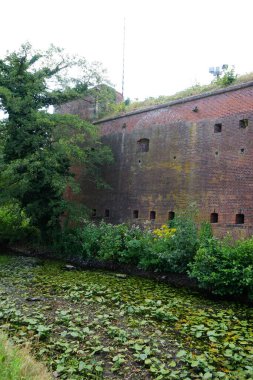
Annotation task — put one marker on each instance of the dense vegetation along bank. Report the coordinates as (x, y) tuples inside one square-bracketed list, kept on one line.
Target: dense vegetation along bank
[(95, 325), (17, 364), (222, 267)]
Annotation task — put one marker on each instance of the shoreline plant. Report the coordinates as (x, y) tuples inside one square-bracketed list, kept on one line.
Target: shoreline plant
[(221, 266), (17, 363)]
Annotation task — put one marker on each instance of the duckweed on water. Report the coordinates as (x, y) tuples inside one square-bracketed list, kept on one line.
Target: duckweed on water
[(95, 325)]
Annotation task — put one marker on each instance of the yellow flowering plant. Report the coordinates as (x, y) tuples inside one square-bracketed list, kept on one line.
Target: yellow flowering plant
[(164, 232)]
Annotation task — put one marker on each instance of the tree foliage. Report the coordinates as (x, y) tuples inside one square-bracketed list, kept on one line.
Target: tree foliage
[(227, 77), (37, 147)]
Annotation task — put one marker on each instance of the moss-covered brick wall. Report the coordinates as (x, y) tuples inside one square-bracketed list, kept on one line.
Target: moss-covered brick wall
[(200, 149)]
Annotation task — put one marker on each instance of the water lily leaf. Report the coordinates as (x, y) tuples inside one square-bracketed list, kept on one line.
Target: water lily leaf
[(60, 368), (195, 363), (138, 347), (207, 376), (181, 353), (143, 356)]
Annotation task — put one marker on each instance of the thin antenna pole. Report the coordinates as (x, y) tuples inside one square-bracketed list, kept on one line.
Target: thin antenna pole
[(123, 67)]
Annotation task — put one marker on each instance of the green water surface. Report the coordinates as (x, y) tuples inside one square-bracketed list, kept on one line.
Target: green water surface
[(94, 325)]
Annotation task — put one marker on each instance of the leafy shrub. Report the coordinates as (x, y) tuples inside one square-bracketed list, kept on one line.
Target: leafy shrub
[(165, 232), (83, 242), (112, 241), (90, 239), (135, 244), (149, 259), (228, 77), (184, 244), (105, 242), (67, 243), (121, 243), (165, 249), (14, 224), (173, 247), (225, 268), (205, 233)]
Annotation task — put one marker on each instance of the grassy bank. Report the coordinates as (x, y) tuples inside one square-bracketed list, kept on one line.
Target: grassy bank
[(17, 364)]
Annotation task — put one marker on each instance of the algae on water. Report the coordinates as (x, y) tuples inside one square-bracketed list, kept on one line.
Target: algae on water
[(94, 325)]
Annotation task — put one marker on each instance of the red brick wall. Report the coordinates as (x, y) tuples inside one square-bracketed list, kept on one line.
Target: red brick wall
[(87, 108), (186, 162)]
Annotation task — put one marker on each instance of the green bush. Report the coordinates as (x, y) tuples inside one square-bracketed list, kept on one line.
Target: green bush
[(165, 249), (106, 242), (225, 268), (112, 243), (14, 224), (134, 245), (67, 243), (205, 234), (184, 244), (173, 248), (90, 238), (121, 243), (82, 242), (228, 77)]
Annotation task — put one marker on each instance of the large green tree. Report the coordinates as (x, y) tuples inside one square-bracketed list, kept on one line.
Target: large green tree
[(38, 148)]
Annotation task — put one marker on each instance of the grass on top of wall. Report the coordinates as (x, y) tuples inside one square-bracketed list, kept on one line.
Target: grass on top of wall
[(191, 91), (17, 364)]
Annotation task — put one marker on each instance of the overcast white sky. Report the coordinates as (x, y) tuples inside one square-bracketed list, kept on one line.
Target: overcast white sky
[(170, 44)]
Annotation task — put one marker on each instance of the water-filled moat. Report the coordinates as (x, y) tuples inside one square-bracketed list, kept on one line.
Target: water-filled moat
[(94, 325)]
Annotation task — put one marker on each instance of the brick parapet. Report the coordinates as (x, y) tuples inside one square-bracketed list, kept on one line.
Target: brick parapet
[(177, 101)]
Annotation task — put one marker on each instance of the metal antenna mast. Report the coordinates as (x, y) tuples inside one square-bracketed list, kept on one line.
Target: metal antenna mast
[(123, 68)]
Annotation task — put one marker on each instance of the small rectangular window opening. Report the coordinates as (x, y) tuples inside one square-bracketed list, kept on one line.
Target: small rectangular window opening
[(136, 214), (152, 215), (243, 123), (143, 145), (94, 212), (217, 128), (107, 213), (171, 215), (239, 219), (214, 217)]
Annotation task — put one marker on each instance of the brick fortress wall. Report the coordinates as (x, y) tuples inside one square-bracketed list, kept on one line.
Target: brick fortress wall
[(195, 150)]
